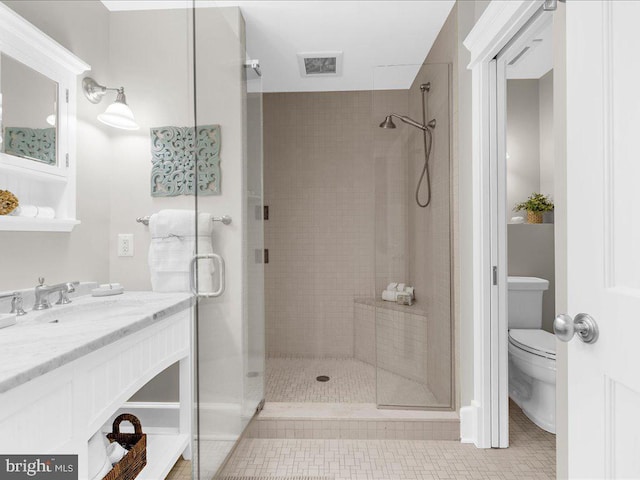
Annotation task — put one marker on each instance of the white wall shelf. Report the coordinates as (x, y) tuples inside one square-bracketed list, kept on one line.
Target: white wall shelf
[(26, 224)]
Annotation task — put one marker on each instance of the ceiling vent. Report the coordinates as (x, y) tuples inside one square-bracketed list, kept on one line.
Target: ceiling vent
[(320, 64)]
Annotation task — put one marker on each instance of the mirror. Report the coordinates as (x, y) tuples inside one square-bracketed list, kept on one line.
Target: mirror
[(28, 112)]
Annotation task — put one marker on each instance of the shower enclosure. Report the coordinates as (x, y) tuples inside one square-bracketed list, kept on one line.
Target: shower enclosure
[(229, 329), (413, 344)]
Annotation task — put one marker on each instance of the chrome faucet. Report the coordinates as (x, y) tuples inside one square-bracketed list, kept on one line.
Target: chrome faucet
[(16, 303), (43, 291)]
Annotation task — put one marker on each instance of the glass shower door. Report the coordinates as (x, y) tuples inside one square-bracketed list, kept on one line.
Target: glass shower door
[(414, 343), (229, 332)]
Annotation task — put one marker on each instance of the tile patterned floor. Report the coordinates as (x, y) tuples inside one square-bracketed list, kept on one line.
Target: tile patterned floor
[(213, 453), (352, 381), (531, 456)]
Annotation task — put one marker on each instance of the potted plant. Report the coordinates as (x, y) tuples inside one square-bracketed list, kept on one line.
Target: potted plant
[(535, 206)]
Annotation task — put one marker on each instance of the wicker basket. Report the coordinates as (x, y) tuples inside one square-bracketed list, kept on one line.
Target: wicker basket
[(133, 462), (534, 217)]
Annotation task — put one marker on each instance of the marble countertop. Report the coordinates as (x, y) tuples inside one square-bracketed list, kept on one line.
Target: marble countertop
[(43, 341)]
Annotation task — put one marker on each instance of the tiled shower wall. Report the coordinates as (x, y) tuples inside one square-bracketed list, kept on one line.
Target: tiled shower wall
[(319, 164), (343, 222)]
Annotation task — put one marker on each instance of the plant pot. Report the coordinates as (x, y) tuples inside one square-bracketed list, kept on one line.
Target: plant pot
[(534, 217)]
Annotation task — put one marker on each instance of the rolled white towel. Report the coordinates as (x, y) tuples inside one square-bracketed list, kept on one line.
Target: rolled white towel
[(389, 296), (410, 291), (26, 211), (115, 452), (46, 212), (392, 287), (401, 287)]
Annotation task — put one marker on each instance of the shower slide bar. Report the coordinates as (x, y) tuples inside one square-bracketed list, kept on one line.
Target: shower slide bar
[(225, 219)]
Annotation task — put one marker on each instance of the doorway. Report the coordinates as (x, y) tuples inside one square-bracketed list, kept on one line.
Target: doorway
[(525, 228)]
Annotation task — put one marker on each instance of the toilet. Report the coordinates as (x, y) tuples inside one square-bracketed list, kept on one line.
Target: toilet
[(532, 353)]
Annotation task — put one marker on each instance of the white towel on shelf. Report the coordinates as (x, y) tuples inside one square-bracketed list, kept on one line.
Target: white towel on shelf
[(30, 211), (390, 295), (173, 245), (46, 212)]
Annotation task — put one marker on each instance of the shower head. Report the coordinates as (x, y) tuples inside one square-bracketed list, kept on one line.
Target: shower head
[(388, 122)]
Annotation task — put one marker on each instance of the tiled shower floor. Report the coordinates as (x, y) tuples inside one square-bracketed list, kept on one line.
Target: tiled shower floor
[(351, 381)]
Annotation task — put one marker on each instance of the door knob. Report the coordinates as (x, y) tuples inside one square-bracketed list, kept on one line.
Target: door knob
[(584, 325)]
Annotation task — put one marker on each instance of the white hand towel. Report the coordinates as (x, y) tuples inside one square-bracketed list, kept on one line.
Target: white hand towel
[(389, 296), (410, 291), (392, 286), (26, 211), (46, 212), (173, 245), (115, 452), (401, 287)]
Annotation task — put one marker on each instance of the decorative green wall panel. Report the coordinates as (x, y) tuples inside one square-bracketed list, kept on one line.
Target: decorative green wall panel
[(32, 143), (180, 158)]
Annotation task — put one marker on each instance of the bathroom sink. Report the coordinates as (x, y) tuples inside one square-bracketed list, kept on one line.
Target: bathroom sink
[(91, 309)]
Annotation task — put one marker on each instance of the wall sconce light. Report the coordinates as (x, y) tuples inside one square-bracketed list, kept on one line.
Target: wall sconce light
[(118, 114)]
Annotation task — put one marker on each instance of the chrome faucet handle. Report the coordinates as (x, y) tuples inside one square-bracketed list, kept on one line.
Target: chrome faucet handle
[(17, 304), (63, 299), (40, 281), (64, 293)]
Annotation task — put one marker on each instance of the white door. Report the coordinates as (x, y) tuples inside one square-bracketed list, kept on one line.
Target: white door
[(603, 230)]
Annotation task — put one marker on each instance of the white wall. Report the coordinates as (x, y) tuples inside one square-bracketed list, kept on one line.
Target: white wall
[(530, 138), (83, 28), (546, 132), (523, 140)]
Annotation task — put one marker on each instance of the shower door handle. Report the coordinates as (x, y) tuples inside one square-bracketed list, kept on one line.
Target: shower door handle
[(221, 275)]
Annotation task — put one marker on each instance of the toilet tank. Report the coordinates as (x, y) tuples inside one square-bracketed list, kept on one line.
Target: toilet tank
[(525, 301)]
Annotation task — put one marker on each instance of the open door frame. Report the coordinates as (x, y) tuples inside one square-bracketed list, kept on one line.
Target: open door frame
[(485, 422)]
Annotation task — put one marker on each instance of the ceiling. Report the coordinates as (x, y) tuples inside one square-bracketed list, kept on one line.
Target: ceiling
[(374, 36)]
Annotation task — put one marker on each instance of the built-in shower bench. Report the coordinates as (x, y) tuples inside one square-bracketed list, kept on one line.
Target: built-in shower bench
[(391, 336)]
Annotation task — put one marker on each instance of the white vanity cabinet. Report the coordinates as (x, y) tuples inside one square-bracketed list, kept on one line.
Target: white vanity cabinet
[(58, 411)]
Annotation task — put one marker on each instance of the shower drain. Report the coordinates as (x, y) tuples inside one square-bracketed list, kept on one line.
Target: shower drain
[(323, 378)]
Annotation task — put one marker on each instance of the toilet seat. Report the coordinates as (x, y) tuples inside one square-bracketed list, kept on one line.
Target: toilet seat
[(535, 341)]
